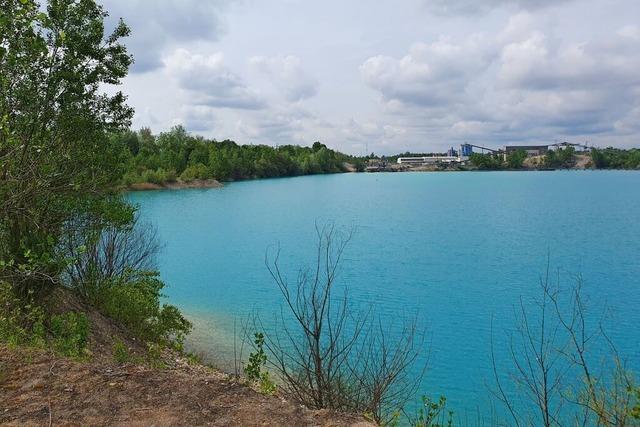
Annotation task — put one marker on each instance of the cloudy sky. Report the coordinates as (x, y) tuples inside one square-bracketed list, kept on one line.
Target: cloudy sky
[(387, 75)]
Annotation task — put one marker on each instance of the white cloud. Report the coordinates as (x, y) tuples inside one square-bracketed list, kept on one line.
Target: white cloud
[(518, 84), (210, 82), (161, 24), (630, 31), (469, 7), (488, 71), (287, 74), (198, 118), (430, 75)]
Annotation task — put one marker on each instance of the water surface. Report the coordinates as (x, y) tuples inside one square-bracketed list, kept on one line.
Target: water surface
[(460, 249)]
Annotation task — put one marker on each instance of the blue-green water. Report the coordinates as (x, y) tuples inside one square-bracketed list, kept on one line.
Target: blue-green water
[(457, 248)]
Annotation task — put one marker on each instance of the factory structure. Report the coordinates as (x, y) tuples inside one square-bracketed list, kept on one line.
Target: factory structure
[(462, 155)]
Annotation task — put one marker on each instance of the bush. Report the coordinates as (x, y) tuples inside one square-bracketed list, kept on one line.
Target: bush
[(21, 321), (335, 357), (154, 177), (170, 176), (635, 411), (121, 352), (433, 413), (193, 172), (101, 254), (154, 356), (516, 159), (486, 161), (70, 333), (134, 301), (111, 269), (255, 368), (131, 177), (560, 158)]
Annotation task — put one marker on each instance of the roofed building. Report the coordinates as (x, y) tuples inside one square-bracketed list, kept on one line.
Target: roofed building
[(531, 150)]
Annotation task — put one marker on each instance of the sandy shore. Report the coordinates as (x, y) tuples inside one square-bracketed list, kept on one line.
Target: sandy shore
[(177, 185)]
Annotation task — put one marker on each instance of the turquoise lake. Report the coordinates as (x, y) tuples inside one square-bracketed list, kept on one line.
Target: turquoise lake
[(458, 249)]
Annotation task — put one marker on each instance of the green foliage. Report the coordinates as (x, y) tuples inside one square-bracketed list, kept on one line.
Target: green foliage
[(154, 177), (64, 143), (56, 157), (433, 414), (192, 157), (257, 359), (193, 359), (193, 172), (615, 158), (70, 333), (22, 321), (255, 368), (267, 386), (560, 158), (121, 352), (131, 177), (635, 410), (154, 355), (515, 159), (486, 161), (134, 301)]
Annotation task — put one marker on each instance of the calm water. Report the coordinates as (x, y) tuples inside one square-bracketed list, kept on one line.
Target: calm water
[(456, 248)]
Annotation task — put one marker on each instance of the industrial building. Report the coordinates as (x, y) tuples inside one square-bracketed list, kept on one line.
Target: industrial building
[(466, 150), (531, 150), (428, 160)]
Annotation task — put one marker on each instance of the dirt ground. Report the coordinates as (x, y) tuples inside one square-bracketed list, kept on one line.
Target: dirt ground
[(40, 388)]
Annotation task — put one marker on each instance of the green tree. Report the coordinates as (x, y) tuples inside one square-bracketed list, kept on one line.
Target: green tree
[(486, 161), (317, 146), (598, 159), (130, 140), (56, 159), (563, 158), (515, 159), (615, 158)]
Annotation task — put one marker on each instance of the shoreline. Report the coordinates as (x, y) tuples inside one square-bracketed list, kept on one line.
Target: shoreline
[(213, 183), (176, 185)]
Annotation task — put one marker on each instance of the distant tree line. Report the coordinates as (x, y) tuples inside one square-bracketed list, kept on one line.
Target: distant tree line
[(556, 159), (495, 161), (606, 158), (176, 154), (615, 158)]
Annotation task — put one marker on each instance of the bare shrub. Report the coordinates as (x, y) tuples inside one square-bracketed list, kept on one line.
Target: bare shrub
[(552, 351), (98, 253), (332, 355)]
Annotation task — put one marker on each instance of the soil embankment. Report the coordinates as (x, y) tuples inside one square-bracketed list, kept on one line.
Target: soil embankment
[(40, 388)]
